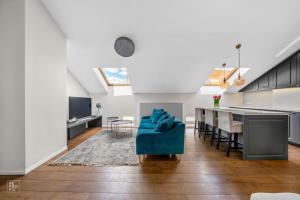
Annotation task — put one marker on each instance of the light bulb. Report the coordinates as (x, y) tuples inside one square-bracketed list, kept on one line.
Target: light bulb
[(239, 81)]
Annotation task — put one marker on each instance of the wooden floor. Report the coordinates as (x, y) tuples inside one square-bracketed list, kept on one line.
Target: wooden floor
[(203, 173)]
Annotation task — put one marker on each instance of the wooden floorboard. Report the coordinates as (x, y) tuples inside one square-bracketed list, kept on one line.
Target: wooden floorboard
[(203, 173)]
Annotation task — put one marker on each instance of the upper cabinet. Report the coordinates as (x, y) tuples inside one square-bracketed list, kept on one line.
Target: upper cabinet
[(252, 87), (272, 78), (263, 82), (284, 75), (294, 70), (298, 68)]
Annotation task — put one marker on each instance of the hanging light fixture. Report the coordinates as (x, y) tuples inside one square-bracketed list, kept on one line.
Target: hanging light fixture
[(224, 84), (240, 80)]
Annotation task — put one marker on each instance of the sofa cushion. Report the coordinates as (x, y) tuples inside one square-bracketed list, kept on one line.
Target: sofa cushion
[(156, 114), (165, 124), (165, 115), (142, 131), (147, 126), (158, 110), (146, 121)]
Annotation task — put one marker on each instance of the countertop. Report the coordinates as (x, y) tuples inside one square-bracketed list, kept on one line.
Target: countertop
[(267, 109), (241, 111)]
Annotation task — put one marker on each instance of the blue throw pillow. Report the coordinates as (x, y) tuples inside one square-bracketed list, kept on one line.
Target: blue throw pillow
[(165, 115), (165, 124), (158, 110), (156, 114)]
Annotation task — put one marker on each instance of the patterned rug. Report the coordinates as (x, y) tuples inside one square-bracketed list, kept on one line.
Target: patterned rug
[(103, 149)]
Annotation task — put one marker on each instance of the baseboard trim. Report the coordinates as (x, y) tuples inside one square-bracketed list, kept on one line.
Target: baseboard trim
[(12, 173), (42, 161)]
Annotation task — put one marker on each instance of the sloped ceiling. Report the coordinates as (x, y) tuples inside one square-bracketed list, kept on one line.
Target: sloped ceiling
[(178, 43)]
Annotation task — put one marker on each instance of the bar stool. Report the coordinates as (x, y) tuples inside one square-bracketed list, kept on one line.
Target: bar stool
[(199, 120), (210, 121), (233, 128)]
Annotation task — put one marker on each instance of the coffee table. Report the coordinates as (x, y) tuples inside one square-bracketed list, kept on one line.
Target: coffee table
[(109, 120), (119, 122)]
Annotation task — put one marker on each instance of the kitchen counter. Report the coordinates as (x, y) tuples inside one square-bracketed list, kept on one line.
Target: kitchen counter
[(265, 132), (266, 109), (245, 111)]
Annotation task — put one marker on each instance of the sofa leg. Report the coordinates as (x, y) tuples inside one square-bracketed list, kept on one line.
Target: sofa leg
[(179, 157), (140, 160)]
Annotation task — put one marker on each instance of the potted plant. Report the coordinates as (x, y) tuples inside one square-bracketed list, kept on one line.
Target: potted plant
[(217, 100)]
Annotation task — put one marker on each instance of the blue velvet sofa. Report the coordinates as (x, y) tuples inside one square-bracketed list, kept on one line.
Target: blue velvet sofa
[(159, 136)]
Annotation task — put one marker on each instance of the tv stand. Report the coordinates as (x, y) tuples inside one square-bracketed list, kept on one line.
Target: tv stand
[(80, 126)]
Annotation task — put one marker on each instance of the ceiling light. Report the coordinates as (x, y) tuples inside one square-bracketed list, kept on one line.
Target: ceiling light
[(224, 84), (240, 80), (288, 46)]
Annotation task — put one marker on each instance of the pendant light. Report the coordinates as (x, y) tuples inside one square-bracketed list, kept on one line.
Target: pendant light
[(240, 80), (224, 84)]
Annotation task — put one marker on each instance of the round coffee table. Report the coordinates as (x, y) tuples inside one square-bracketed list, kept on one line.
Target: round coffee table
[(119, 122)]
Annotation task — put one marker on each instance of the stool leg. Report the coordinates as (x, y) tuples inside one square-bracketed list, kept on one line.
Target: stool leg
[(219, 138), (212, 136), (235, 139), (229, 144), (200, 127), (205, 131), (195, 127)]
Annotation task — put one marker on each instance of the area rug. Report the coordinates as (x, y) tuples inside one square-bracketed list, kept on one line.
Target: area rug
[(103, 149)]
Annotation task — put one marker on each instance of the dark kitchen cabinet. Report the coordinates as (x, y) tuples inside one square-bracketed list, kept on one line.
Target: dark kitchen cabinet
[(263, 82), (254, 86), (298, 69), (294, 71), (284, 74), (272, 78)]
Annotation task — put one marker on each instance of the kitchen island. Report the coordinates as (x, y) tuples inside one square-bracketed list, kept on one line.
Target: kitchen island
[(265, 133)]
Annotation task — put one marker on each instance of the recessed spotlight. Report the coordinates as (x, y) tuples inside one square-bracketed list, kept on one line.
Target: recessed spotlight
[(288, 46)]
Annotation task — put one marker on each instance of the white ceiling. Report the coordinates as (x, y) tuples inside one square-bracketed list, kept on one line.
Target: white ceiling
[(178, 43)]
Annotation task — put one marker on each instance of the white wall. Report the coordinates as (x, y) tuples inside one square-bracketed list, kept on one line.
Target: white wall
[(258, 99), (74, 88), (129, 105), (45, 82), (12, 79), (288, 98)]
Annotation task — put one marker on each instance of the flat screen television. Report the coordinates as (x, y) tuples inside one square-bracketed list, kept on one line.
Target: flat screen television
[(80, 107)]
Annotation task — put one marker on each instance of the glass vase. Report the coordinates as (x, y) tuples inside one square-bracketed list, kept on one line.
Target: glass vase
[(216, 103)]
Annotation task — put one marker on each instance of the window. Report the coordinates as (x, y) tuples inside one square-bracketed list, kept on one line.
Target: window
[(115, 76), (212, 85), (217, 76)]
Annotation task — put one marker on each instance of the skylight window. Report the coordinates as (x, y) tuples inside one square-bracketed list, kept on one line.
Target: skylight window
[(115, 76), (212, 85), (217, 76)]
